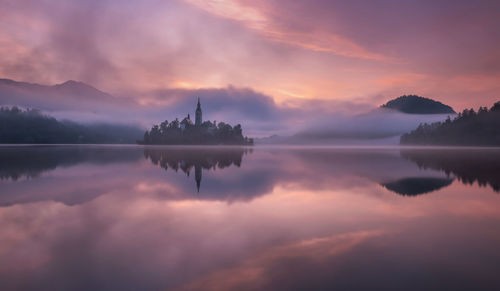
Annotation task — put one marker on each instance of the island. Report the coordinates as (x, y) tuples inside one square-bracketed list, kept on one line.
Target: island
[(200, 132), (469, 128)]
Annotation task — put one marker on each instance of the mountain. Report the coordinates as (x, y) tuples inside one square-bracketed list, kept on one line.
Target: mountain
[(69, 88), (68, 96), (414, 104), (76, 88)]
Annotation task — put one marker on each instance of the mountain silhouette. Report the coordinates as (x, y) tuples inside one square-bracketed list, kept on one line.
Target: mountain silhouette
[(70, 87), (80, 89), (414, 104), (70, 94)]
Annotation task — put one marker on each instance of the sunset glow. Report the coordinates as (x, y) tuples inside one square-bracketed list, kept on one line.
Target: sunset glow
[(317, 50)]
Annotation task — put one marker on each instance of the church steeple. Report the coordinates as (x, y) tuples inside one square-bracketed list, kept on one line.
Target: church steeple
[(198, 118)]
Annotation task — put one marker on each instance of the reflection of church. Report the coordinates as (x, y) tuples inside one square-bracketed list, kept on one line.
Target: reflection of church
[(199, 159)]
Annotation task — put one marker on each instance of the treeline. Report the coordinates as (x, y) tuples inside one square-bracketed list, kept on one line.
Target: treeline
[(185, 132), (18, 126), (469, 128)]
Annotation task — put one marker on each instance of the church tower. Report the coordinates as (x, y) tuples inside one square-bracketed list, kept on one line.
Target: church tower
[(198, 114)]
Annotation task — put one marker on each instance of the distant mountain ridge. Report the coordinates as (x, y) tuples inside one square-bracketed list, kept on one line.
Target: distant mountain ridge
[(413, 104), (80, 89), (67, 84), (70, 94)]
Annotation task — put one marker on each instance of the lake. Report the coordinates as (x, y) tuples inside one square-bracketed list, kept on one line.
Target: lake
[(260, 218)]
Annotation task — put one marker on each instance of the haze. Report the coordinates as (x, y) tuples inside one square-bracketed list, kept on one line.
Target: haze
[(270, 65)]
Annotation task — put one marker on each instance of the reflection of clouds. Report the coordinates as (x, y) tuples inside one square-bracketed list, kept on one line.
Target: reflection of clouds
[(254, 273), (139, 240), (148, 239)]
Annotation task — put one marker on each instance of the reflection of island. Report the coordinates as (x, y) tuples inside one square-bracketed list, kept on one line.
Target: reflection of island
[(418, 185), (197, 158), (383, 167), (469, 166)]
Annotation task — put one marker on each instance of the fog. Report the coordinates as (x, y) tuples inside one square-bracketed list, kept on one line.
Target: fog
[(301, 121)]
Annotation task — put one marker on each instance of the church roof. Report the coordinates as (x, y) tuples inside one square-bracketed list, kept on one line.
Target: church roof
[(187, 120)]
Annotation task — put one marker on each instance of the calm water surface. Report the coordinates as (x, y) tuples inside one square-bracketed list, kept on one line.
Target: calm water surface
[(168, 218)]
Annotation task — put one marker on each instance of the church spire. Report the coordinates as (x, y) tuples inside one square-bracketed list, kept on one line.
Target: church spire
[(198, 115)]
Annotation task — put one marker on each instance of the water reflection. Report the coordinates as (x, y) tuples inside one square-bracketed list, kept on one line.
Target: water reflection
[(131, 218), (469, 166), (61, 173), (417, 186), (31, 161), (200, 159)]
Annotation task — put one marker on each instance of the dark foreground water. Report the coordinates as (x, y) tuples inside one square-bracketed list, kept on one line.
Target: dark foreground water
[(160, 218)]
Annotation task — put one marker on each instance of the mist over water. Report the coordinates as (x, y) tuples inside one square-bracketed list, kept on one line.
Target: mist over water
[(237, 218)]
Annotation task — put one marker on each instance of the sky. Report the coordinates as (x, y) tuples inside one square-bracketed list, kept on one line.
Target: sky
[(298, 57)]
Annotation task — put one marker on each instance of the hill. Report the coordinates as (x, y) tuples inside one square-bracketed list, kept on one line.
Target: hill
[(468, 129), (414, 104)]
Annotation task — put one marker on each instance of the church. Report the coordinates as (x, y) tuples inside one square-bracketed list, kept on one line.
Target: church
[(186, 122), (199, 132)]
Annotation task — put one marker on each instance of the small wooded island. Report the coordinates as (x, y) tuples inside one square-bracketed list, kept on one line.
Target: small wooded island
[(469, 128), (199, 133)]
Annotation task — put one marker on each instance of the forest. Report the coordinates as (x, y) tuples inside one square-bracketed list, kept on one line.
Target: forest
[(468, 128), (30, 126)]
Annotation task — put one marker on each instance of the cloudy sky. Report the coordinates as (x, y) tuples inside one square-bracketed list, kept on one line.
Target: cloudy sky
[(338, 56)]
